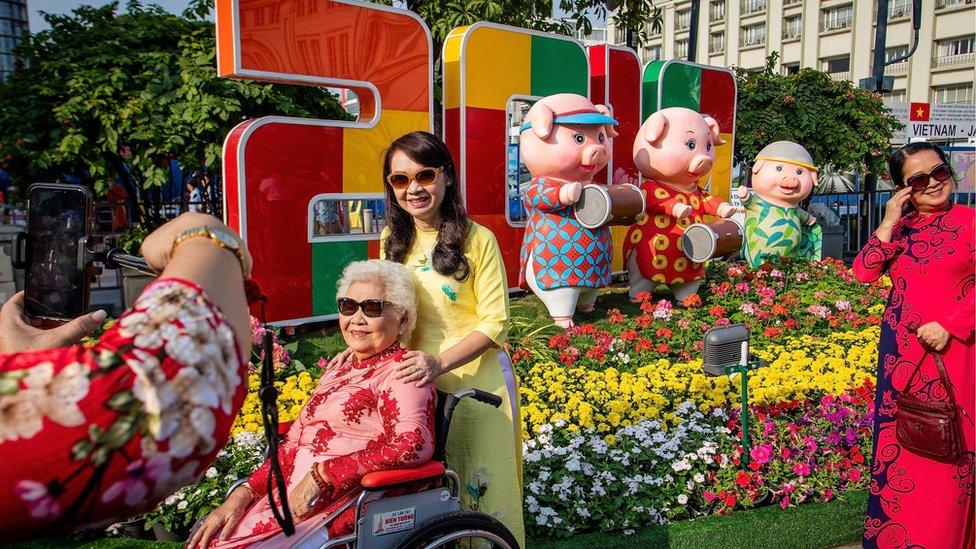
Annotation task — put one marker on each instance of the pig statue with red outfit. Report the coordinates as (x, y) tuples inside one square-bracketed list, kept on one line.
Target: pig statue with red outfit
[(564, 142), (673, 150)]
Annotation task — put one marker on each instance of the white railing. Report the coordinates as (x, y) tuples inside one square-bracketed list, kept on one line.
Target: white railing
[(945, 61), (846, 75), (682, 21), (716, 12), (897, 68), (791, 2), (792, 33), (716, 46), (837, 23), (754, 40), (943, 4)]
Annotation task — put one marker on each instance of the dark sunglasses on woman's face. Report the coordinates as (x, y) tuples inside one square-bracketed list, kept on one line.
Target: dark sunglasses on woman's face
[(371, 307), (423, 176), (920, 181)]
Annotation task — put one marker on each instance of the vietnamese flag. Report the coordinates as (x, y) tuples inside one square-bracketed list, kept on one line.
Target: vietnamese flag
[(919, 112)]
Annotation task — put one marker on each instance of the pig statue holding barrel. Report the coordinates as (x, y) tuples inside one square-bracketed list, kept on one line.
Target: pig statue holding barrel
[(564, 142), (775, 225), (673, 150)]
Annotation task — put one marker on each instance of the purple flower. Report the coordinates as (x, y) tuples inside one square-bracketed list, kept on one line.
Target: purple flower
[(833, 438), (801, 469)]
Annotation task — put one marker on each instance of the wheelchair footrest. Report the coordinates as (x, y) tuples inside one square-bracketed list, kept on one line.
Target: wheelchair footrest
[(395, 477)]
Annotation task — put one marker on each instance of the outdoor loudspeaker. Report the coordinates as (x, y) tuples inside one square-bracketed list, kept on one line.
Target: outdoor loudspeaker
[(725, 347)]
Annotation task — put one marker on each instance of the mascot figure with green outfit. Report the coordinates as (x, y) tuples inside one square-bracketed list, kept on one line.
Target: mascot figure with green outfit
[(775, 226)]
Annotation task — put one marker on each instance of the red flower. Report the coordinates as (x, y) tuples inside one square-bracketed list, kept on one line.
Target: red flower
[(663, 348), (559, 341), (773, 332), (717, 311), (708, 496), (754, 465), (643, 345), (614, 316), (779, 310), (730, 500), (692, 301), (873, 320), (597, 353), (628, 335), (643, 296), (664, 333), (791, 324), (647, 306), (743, 479), (854, 475), (644, 321)]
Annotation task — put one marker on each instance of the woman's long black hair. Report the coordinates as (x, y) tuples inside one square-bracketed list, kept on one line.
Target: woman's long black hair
[(447, 257)]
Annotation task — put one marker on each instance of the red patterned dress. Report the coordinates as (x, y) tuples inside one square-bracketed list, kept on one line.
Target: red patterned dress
[(359, 420), (657, 237), (91, 435), (563, 252), (916, 502)]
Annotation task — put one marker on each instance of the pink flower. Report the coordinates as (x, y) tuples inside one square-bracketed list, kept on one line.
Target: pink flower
[(735, 271), (748, 308), (819, 295), (742, 287), (40, 501), (785, 502), (801, 469), (842, 305), (854, 475), (761, 453), (141, 476), (802, 277), (723, 322), (776, 273), (819, 310), (828, 494)]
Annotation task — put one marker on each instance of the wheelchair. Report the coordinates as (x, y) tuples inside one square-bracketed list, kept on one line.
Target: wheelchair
[(429, 517)]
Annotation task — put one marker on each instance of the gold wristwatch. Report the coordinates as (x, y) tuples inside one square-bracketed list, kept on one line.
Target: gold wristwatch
[(220, 237)]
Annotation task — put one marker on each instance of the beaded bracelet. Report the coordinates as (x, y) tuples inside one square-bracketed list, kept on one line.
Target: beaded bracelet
[(323, 484)]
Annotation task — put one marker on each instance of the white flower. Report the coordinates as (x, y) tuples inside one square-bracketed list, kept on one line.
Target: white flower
[(211, 472), (682, 499), (182, 505), (699, 478), (629, 532)]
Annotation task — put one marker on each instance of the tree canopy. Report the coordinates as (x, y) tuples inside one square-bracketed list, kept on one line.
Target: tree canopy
[(840, 124), (108, 93)]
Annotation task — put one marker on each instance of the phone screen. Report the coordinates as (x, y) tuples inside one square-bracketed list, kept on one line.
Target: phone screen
[(57, 218)]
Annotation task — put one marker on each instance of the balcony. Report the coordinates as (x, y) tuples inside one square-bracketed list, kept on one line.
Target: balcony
[(791, 33), (716, 46), (716, 15), (949, 4), (965, 60), (899, 9), (750, 7), (792, 2), (846, 75), (751, 41), (897, 68)]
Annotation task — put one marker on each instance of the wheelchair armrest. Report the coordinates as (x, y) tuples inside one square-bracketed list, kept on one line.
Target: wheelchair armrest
[(397, 477)]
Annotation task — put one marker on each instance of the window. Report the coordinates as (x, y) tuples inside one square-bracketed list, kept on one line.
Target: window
[(790, 68), (792, 27), (346, 217), (841, 17), (951, 3), (652, 53), (895, 53), (835, 65), (620, 35), (895, 96), (716, 11), (753, 6), (957, 93), (897, 9), (753, 35), (650, 30), (681, 49), (682, 19), (716, 42), (955, 46), (517, 175)]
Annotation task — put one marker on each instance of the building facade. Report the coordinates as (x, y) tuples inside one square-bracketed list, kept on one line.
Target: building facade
[(13, 30), (836, 36)]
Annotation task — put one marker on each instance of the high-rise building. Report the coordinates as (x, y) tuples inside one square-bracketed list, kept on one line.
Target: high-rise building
[(836, 36), (13, 30)]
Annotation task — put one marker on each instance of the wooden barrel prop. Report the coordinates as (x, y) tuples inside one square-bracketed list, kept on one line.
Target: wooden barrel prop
[(602, 205), (704, 241)]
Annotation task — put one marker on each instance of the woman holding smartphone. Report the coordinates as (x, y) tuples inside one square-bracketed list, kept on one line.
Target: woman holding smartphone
[(926, 244)]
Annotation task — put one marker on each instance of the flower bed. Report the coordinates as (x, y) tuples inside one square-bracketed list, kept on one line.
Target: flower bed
[(623, 428)]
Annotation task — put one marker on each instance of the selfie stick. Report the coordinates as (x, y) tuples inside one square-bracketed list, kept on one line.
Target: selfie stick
[(116, 257)]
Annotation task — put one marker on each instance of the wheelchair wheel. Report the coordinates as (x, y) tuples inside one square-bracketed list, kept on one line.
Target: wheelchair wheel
[(462, 530)]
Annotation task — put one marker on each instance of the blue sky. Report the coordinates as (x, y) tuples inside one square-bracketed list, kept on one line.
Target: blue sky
[(65, 6)]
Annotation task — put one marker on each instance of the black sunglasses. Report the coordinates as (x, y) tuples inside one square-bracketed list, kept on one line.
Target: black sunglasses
[(920, 181), (371, 307)]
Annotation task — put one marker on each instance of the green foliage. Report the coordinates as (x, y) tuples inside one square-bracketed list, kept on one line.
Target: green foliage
[(839, 123), (104, 88)]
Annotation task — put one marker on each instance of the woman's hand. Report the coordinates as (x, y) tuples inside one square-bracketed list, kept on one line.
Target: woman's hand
[(420, 367), (222, 521), (933, 335), (340, 359), (17, 335), (893, 212), (157, 248), (302, 500)]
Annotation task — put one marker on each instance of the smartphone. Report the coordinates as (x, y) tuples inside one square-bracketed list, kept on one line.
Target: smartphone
[(56, 283)]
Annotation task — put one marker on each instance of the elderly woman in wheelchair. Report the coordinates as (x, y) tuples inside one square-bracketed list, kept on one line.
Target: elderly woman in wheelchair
[(363, 435)]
